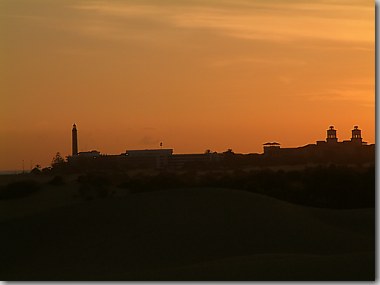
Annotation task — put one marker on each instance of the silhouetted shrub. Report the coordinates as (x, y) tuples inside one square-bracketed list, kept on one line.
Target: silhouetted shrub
[(36, 171), (90, 192), (94, 185), (327, 187), (94, 178), (331, 186), (19, 189), (57, 181)]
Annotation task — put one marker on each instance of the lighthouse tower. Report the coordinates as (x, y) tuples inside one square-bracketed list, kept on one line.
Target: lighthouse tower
[(74, 138)]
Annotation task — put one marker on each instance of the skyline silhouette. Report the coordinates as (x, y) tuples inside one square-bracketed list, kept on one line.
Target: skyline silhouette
[(323, 152), (331, 138), (268, 147)]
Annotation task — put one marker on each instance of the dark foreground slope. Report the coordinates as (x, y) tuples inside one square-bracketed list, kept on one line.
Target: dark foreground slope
[(190, 234)]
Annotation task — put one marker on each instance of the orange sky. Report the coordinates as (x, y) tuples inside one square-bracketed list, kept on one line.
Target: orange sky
[(195, 74)]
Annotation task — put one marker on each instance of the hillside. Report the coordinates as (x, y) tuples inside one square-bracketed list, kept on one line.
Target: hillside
[(188, 234)]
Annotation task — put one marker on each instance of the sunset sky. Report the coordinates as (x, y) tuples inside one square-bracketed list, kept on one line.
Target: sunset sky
[(194, 74)]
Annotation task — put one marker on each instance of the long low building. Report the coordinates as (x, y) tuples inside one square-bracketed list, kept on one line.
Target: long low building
[(149, 153)]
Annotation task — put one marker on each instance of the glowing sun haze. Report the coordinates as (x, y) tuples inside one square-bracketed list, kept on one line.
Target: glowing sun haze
[(197, 75)]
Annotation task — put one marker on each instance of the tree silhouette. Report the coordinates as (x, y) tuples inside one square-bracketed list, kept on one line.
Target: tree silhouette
[(57, 160), (36, 169), (229, 152)]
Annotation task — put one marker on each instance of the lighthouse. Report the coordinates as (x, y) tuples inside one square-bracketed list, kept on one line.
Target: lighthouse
[(74, 138)]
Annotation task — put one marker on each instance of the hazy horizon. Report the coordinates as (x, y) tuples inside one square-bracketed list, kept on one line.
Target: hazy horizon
[(193, 74)]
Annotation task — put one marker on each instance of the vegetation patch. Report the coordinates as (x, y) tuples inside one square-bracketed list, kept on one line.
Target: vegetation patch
[(338, 187), (57, 181), (94, 185), (19, 189)]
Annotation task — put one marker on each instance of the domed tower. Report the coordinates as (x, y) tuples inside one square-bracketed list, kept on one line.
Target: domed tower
[(331, 135), (356, 135), (74, 137)]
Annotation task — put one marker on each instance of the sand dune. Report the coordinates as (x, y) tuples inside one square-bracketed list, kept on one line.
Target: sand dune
[(272, 267), (189, 234)]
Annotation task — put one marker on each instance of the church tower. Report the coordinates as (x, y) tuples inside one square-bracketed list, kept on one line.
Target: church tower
[(74, 138), (356, 135), (331, 135)]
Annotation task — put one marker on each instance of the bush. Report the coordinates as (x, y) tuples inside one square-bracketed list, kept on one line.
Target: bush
[(94, 185), (57, 181), (19, 189)]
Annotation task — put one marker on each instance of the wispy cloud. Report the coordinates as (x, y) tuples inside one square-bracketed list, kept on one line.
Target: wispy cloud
[(356, 91), (256, 20), (238, 60), (148, 141)]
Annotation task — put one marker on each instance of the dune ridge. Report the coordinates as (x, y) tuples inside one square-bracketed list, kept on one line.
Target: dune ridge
[(189, 234)]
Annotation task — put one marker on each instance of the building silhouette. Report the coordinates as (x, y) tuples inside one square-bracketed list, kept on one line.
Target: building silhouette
[(331, 135), (330, 150), (357, 136)]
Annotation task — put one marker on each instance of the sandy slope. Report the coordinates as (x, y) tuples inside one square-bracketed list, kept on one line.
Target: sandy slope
[(189, 234)]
